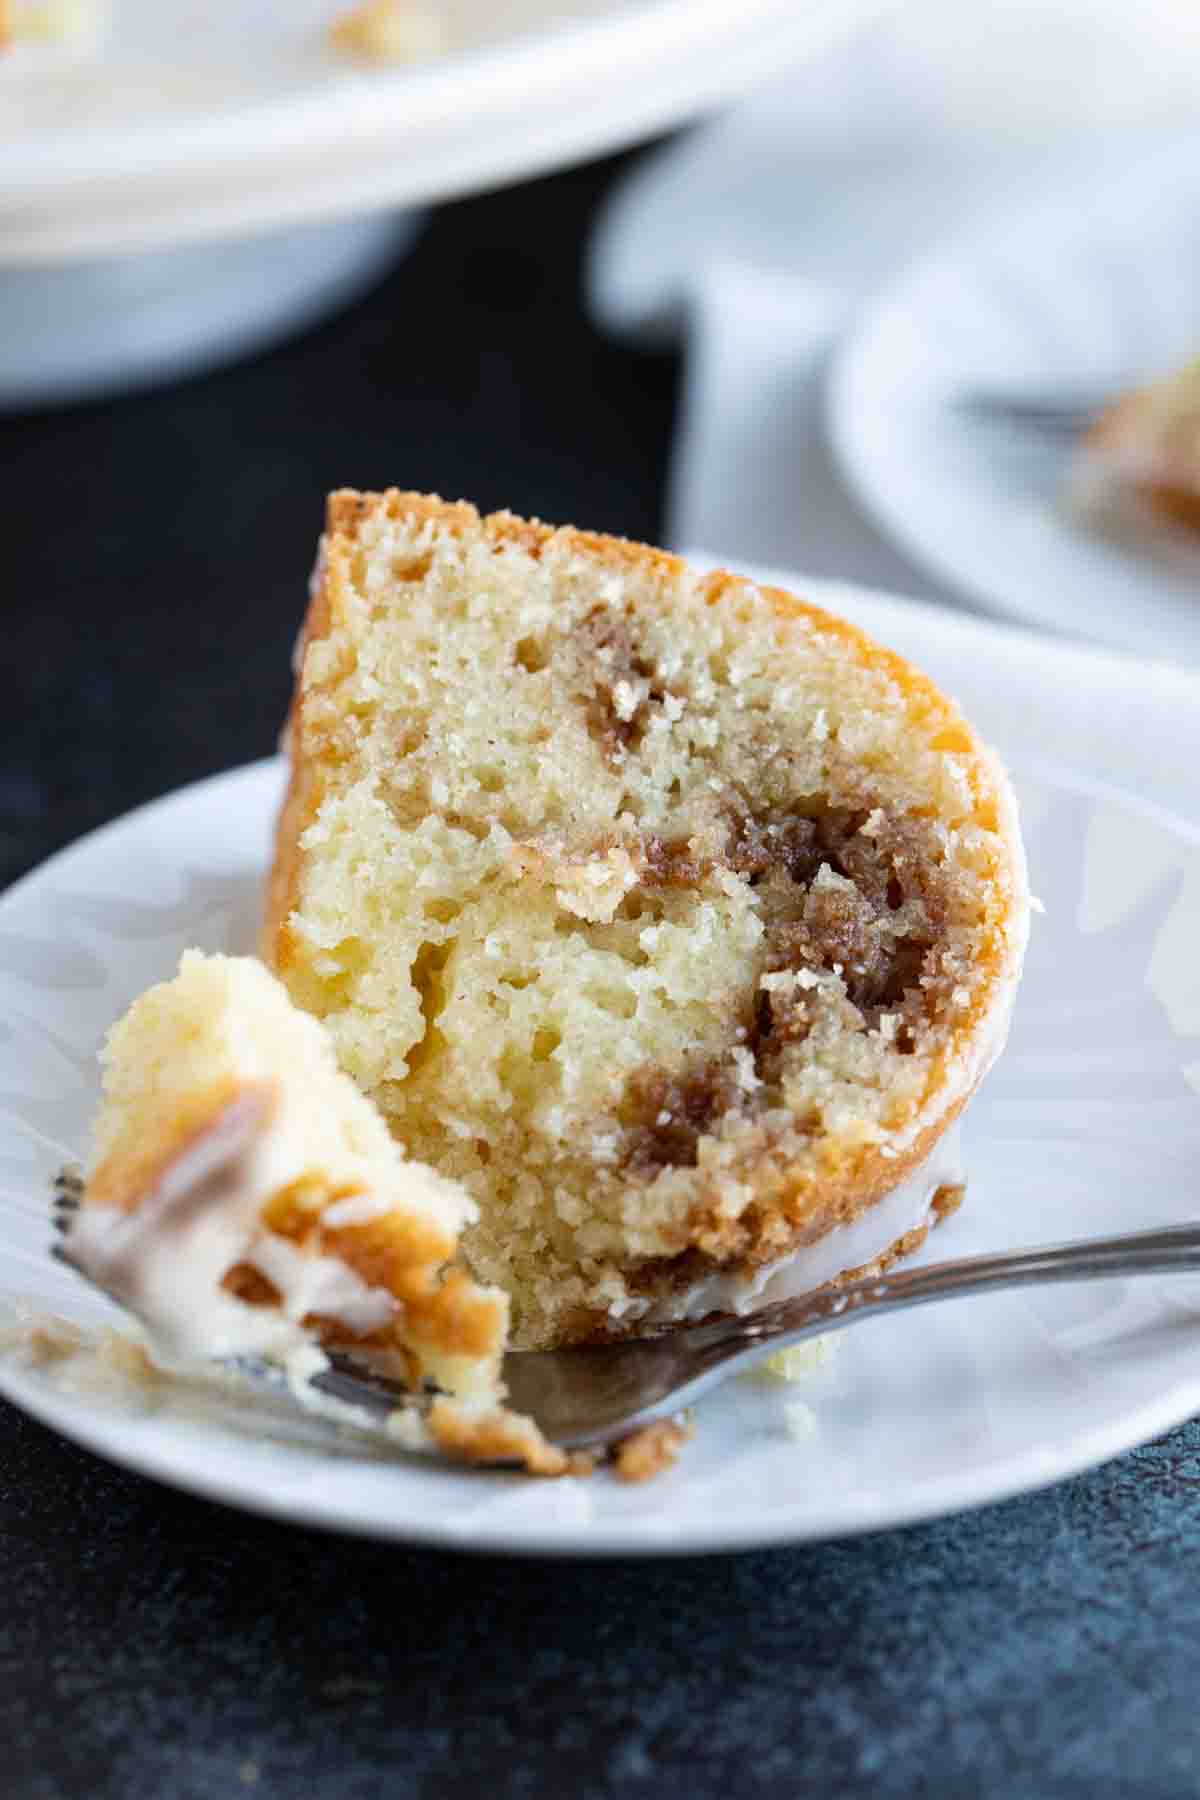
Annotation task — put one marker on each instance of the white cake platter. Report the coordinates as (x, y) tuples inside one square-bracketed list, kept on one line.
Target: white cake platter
[(193, 125)]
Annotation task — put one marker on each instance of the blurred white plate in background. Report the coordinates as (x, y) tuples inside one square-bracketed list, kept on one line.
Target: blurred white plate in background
[(1090, 1123), (195, 122), (1094, 286)]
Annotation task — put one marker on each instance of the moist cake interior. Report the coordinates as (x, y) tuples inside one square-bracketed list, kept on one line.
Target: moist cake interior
[(649, 906)]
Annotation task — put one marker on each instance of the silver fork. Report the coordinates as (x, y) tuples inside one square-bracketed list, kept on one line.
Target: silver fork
[(594, 1396), (1067, 413)]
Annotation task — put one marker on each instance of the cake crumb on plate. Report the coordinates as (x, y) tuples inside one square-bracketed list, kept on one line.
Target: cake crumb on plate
[(387, 31), (652, 1450), (797, 1362)]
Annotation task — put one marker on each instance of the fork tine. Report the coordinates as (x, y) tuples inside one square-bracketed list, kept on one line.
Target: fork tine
[(68, 1197)]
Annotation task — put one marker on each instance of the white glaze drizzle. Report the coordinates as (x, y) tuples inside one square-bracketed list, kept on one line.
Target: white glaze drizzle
[(167, 1258), (906, 1208)]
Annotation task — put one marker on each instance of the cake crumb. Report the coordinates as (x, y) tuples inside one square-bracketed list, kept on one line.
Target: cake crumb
[(387, 31), (76, 24), (799, 1419), (126, 1359), (652, 1450), (797, 1362), (496, 1435), (948, 1198), (39, 1342)]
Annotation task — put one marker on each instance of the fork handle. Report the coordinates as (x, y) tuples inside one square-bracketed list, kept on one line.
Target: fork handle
[(590, 1395), (1169, 1250)]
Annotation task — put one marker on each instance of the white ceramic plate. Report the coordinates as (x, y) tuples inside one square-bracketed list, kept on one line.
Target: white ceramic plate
[(1090, 1123), (194, 122), (1095, 286)]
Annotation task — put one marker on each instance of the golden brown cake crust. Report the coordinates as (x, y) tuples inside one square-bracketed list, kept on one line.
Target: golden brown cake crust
[(800, 1208)]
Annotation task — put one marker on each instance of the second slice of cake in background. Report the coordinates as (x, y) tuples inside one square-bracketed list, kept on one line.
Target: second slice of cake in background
[(1141, 460), (671, 916)]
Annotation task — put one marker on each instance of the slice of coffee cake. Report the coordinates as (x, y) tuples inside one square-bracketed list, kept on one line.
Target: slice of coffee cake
[(669, 915)]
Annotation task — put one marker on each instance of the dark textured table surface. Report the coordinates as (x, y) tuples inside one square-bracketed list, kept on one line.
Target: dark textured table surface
[(152, 566)]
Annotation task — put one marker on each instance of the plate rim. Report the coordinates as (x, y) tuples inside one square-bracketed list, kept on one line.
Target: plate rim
[(1094, 1449)]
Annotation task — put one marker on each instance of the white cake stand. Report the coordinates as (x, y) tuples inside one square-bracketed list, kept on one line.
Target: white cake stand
[(213, 178), (78, 330)]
